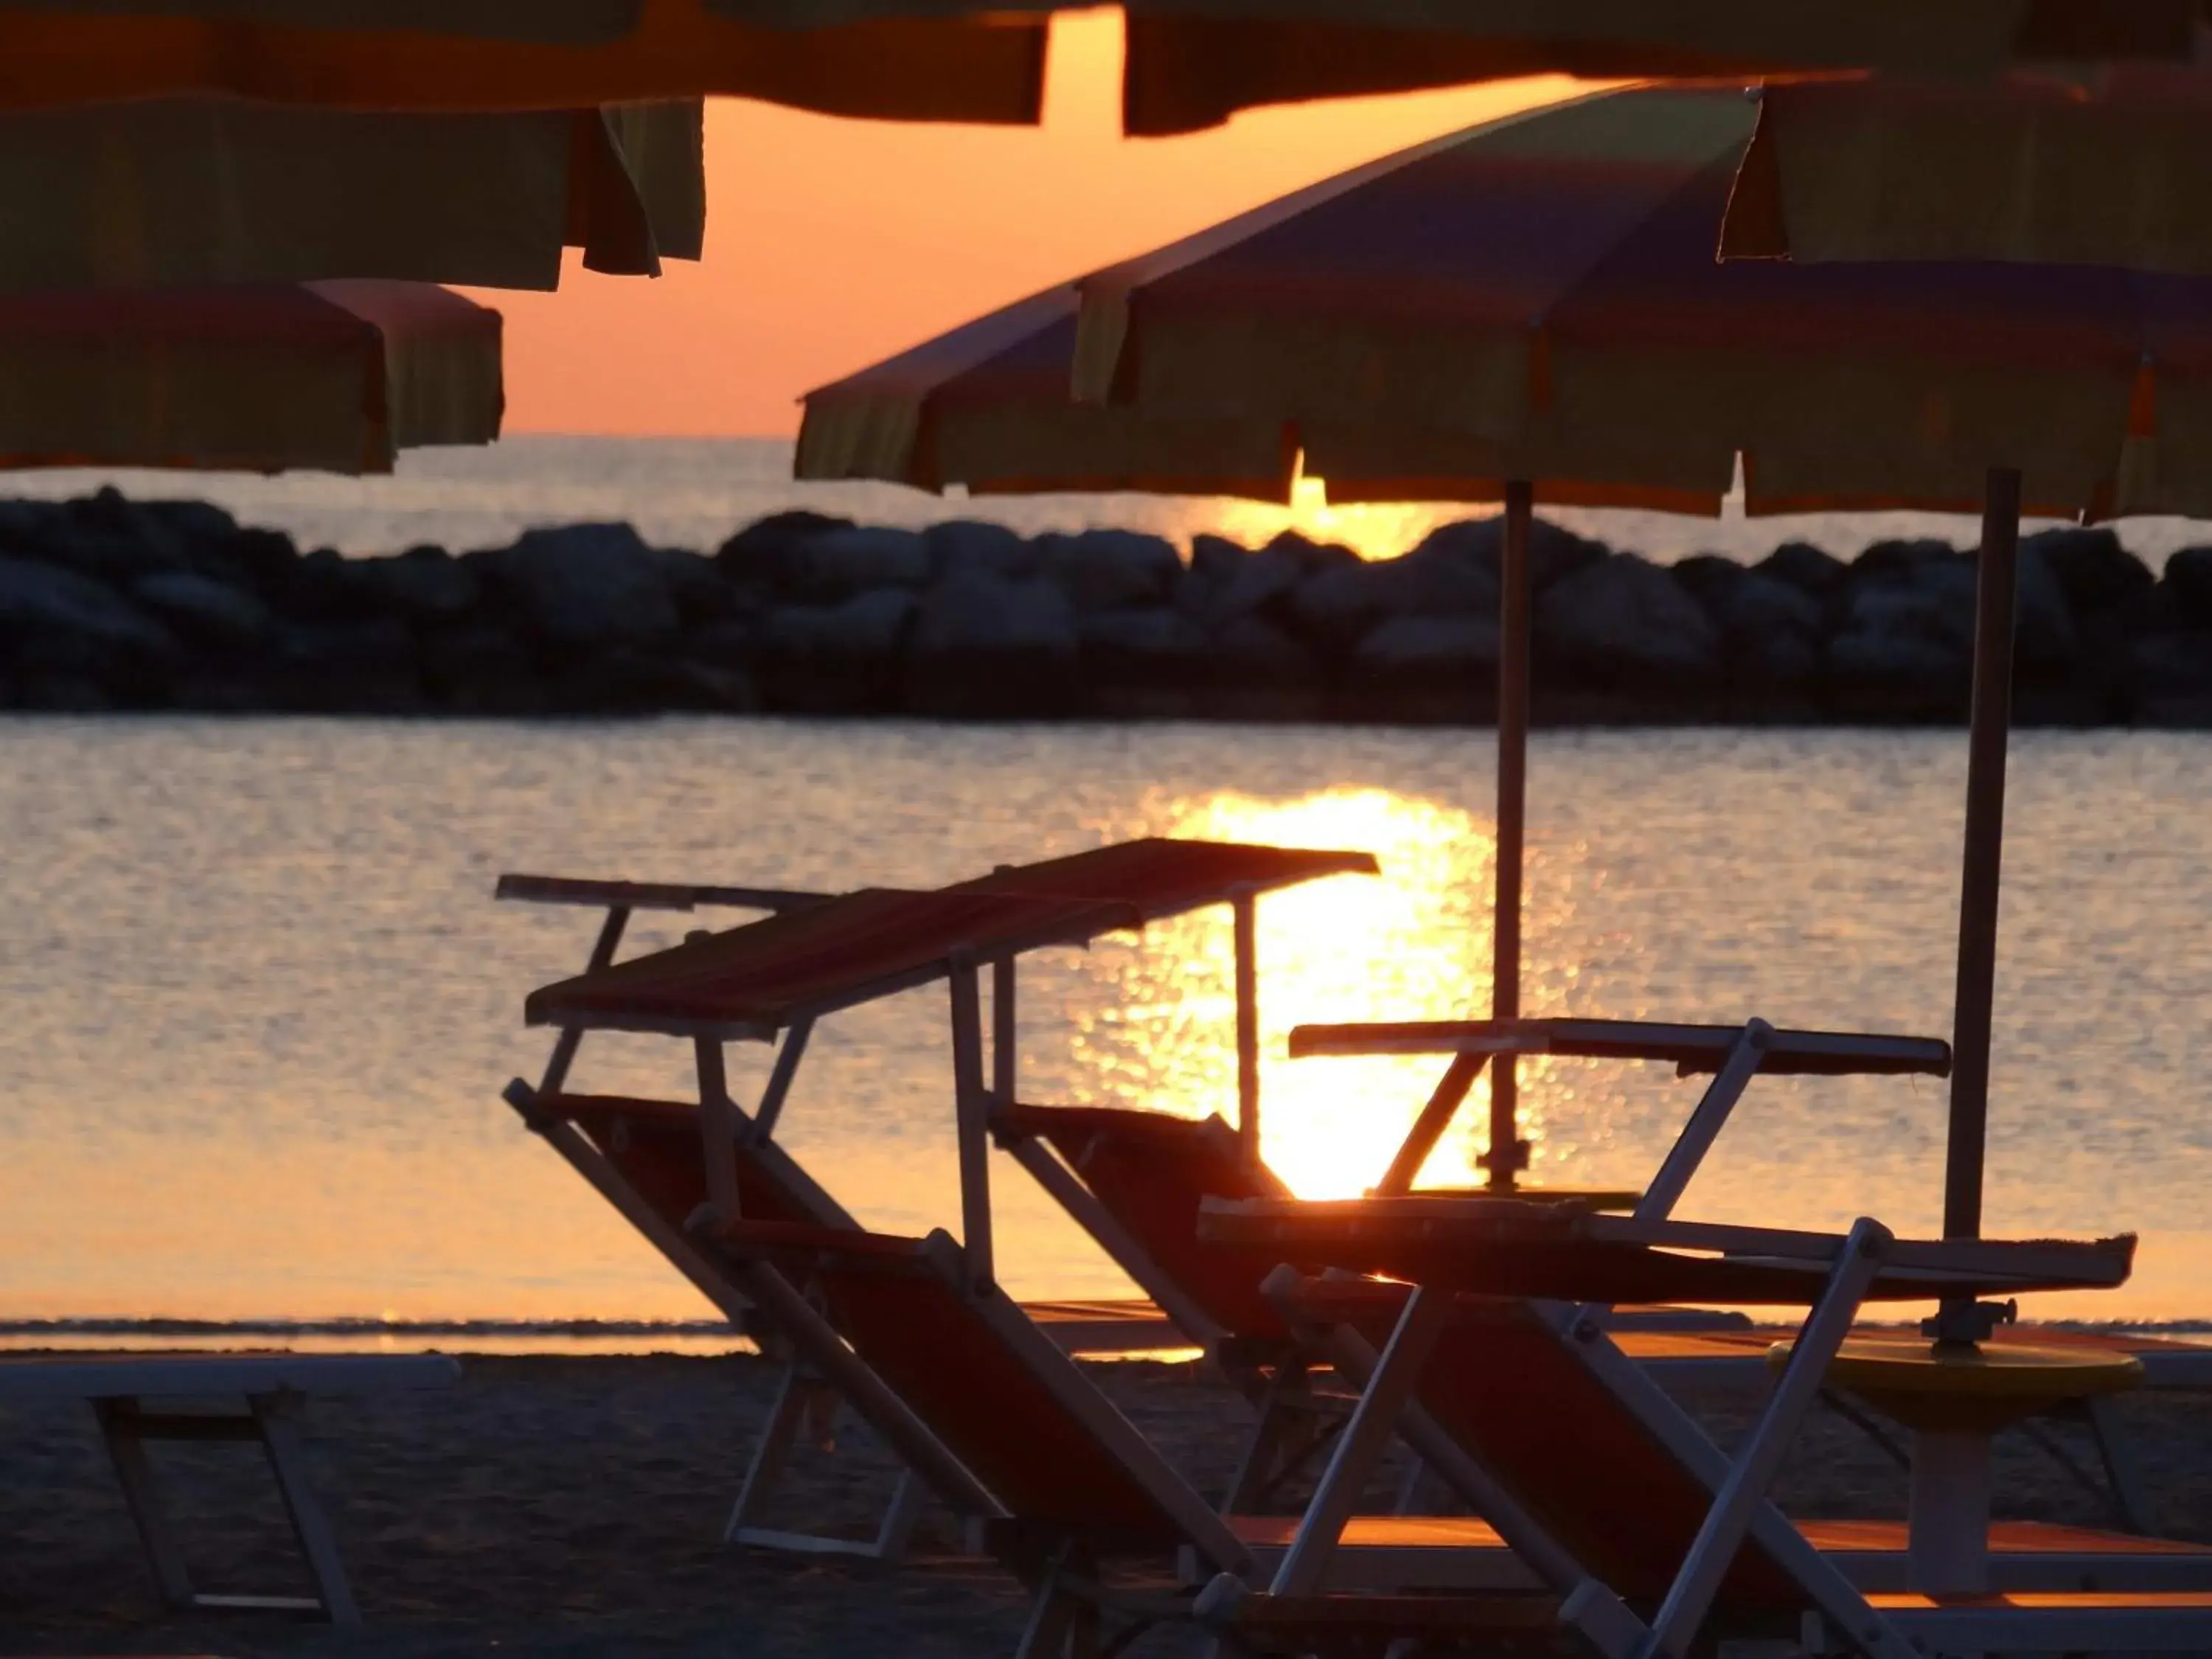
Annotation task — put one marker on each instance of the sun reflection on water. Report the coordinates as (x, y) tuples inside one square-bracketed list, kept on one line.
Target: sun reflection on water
[(1415, 944)]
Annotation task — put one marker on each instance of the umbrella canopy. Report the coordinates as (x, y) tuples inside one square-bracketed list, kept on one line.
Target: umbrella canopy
[(1538, 299), (987, 407), (336, 376), (201, 191), (886, 62), (2110, 170), (1194, 63)]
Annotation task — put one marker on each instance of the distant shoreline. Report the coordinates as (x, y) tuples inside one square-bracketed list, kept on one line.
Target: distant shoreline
[(108, 603)]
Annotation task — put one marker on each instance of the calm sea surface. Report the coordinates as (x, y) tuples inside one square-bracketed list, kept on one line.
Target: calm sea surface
[(259, 1005)]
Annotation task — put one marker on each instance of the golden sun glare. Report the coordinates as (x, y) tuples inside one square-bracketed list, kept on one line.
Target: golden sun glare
[(1415, 944)]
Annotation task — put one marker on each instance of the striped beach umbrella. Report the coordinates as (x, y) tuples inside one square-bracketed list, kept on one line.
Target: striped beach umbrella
[(199, 191), (1194, 63), (2108, 168), (335, 376), (1532, 310), (883, 61)]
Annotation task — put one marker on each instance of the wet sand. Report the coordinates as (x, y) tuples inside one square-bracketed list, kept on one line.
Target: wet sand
[(574, 1505)]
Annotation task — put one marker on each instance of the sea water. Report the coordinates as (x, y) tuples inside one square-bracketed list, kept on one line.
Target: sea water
[(260, 1003)]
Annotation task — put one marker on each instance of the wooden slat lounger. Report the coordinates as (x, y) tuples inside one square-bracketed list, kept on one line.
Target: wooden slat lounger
[(271, 1388), (1643, 1533)]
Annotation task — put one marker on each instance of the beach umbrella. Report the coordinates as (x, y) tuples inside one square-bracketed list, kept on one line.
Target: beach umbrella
[(1194, 63), (2108, 168), (208, 190), (1532, 311), (887, 62), (335, 376), (1189, 64)]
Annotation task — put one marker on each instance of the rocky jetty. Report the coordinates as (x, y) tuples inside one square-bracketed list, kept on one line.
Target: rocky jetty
[(107, 603)]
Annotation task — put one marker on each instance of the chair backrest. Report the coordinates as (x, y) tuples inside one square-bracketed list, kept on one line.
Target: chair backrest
[(1152, 1171), (1014, 1409), (655, 1146), (1510, 1388)]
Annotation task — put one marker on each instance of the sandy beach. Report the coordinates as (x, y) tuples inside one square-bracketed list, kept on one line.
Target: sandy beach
[(553, 1505)]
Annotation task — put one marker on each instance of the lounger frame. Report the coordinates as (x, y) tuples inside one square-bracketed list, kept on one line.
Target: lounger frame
[(133, 1399)]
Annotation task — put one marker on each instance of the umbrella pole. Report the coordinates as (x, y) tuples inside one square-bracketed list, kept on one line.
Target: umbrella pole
[(1995, 589), (1509, 1153)]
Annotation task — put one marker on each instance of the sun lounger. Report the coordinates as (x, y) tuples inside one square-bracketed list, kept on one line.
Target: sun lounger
[(1061, 1486), (660, 1162), (135, 1398), (817, 954), (1055, 1482), (1136, 1180), (1643, 1533)]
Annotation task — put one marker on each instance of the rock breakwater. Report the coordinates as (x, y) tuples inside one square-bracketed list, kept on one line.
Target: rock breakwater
[(110, 602)]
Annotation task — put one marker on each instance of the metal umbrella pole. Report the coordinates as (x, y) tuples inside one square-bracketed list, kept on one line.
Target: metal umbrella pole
[(1509, 1153), (1995, 589)]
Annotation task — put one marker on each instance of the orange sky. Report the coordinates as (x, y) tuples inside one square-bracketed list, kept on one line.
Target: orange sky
[(830, 244)]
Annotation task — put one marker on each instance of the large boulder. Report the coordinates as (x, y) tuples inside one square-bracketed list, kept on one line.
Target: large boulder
[(868, 626), (2044, 641), (482, 668), (702, 594), (350, 666), (1112, 569), (1308, 553), (1901, 650), (1231, 587), (2091, 567), (203, 528), (212, 614), (427, 585), (1215, 560), (55, 622), (1334, 608), (1625, 621), (260, 557), (1251, 647), (1554, 553), (756, 555), (833, 659), (118, 540), (985, 646), (1802, 565), (1163, 637), (1427, 668), (1771, 629), (2189, 579), (2170, 678), (32, 529), (325, 586), (1899, 558), (832, 565), (1144, 665), (626, 682), (960, 544), (588, 587)]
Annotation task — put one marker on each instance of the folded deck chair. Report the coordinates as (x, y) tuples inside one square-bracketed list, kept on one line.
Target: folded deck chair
[(1061, 1486), (1644, 1535), (1058, 1485), (134, 1398), (1136, 1181)]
